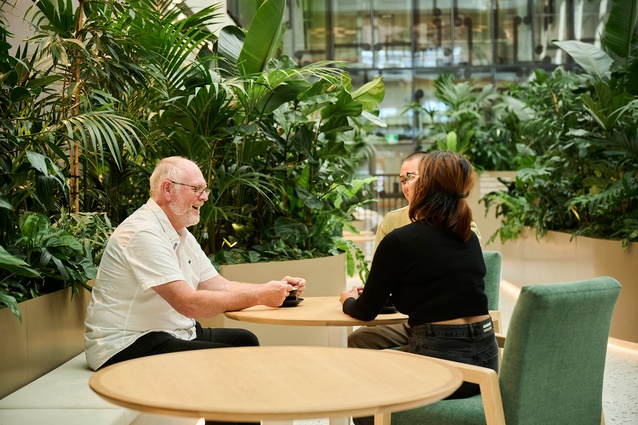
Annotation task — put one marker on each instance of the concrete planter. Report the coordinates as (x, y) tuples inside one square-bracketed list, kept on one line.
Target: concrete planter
[(558, 258), (51, 332), (325, 276), (485, 183)]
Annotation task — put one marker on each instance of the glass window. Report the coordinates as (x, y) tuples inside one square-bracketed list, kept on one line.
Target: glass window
[(513, 38), (398, 94), (548, 25), (472, 34), (588, 20), (353, 33), (307, 40), (433, 41), (393, 27)]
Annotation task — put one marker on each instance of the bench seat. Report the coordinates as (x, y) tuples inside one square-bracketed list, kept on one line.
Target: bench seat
[(63, 396)]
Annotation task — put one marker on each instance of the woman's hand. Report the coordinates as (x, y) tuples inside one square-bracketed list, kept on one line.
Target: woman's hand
[(352, 293)]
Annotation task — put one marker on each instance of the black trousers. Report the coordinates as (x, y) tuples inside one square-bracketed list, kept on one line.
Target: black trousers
[(162, 342)]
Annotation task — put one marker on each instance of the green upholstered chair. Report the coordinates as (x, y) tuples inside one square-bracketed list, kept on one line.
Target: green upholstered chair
[(552, 366), (493, 261)]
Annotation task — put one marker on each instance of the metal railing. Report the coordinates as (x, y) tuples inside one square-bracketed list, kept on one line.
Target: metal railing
[(387, 196)]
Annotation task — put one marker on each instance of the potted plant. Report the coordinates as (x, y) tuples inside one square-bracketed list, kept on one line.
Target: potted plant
[(282, 143), (128, 86), (76, 92), (583, 181), (478, 122)]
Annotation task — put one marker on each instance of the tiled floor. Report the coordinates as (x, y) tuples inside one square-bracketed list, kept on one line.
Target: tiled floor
[(620, 391)]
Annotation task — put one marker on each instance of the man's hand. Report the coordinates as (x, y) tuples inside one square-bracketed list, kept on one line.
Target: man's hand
[(275, 292), (297, 282)]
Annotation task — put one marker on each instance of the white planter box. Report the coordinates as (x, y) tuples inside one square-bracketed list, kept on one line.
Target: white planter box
[(52, 332), (555, 258), (325, 276)]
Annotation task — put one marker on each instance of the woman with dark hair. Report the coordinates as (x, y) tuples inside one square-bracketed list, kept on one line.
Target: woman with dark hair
[(433, 268)]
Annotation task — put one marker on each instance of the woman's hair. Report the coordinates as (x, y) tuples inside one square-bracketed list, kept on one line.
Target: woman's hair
[(166, 169), (440, 196)]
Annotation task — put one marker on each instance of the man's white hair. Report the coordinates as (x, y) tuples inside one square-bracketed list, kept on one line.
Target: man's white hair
[(171, 168)]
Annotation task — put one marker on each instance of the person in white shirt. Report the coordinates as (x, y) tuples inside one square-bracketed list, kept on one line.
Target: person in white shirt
[(154, 279)]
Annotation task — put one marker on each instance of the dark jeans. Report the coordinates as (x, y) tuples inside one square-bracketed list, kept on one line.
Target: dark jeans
[(162, 342), (473, 344)]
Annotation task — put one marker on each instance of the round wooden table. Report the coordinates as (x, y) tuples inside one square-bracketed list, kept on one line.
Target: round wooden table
[(276, 383), (314, 311)]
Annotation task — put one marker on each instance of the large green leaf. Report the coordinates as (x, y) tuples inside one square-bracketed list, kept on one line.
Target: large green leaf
[(620, 26), (263, 38), (281, 94), (4, 203), (370, 94), (593, 60), (345, 106), (229, 46), (11, 302), (15, 264)]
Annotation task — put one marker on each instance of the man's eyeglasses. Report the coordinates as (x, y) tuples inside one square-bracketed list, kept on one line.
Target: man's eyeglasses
[(199, 191), (409, 177)]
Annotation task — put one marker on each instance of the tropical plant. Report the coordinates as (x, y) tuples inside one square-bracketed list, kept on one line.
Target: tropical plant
[(45, 257), (584, 127), (83, 81), (104, 89), (283, 144), (481, 123)]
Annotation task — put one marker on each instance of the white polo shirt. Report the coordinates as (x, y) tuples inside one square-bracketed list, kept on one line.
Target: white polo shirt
[(144, 251)]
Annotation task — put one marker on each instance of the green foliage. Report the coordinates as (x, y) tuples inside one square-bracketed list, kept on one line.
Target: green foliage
[(480, 123), (131, 83), (585, 133), (45, 258)]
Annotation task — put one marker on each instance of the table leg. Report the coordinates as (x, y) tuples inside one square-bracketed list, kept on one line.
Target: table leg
[(382, 419), (337, 336)]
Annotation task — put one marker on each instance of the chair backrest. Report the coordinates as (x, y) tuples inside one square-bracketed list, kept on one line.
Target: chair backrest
[(554, 356), (493, 261)]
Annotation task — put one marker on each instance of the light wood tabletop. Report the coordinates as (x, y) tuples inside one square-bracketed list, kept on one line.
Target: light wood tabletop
[(312, 311), (315, 311), (276, 383)]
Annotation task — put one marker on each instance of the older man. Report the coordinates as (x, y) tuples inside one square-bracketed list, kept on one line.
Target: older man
[(154, 279)]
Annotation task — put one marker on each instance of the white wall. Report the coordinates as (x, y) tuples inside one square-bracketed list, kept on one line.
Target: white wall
[(18, 26)]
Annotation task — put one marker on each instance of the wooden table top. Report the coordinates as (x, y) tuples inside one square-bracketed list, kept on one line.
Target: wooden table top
[(312, 311), (276, 383)]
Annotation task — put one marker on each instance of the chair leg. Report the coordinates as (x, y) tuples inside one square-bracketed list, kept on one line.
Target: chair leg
[(602, 417)]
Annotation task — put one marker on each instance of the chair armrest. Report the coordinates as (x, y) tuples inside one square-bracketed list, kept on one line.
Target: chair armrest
[(487, 379), (496, 320), (500, 339)]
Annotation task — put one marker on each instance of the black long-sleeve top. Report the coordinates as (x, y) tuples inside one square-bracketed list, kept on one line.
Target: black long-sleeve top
[(431, 273)]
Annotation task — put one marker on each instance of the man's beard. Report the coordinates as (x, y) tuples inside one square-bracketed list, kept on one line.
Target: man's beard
[(185, 214)]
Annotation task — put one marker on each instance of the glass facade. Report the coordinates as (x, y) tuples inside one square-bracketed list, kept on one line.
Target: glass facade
[(410, 42)]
